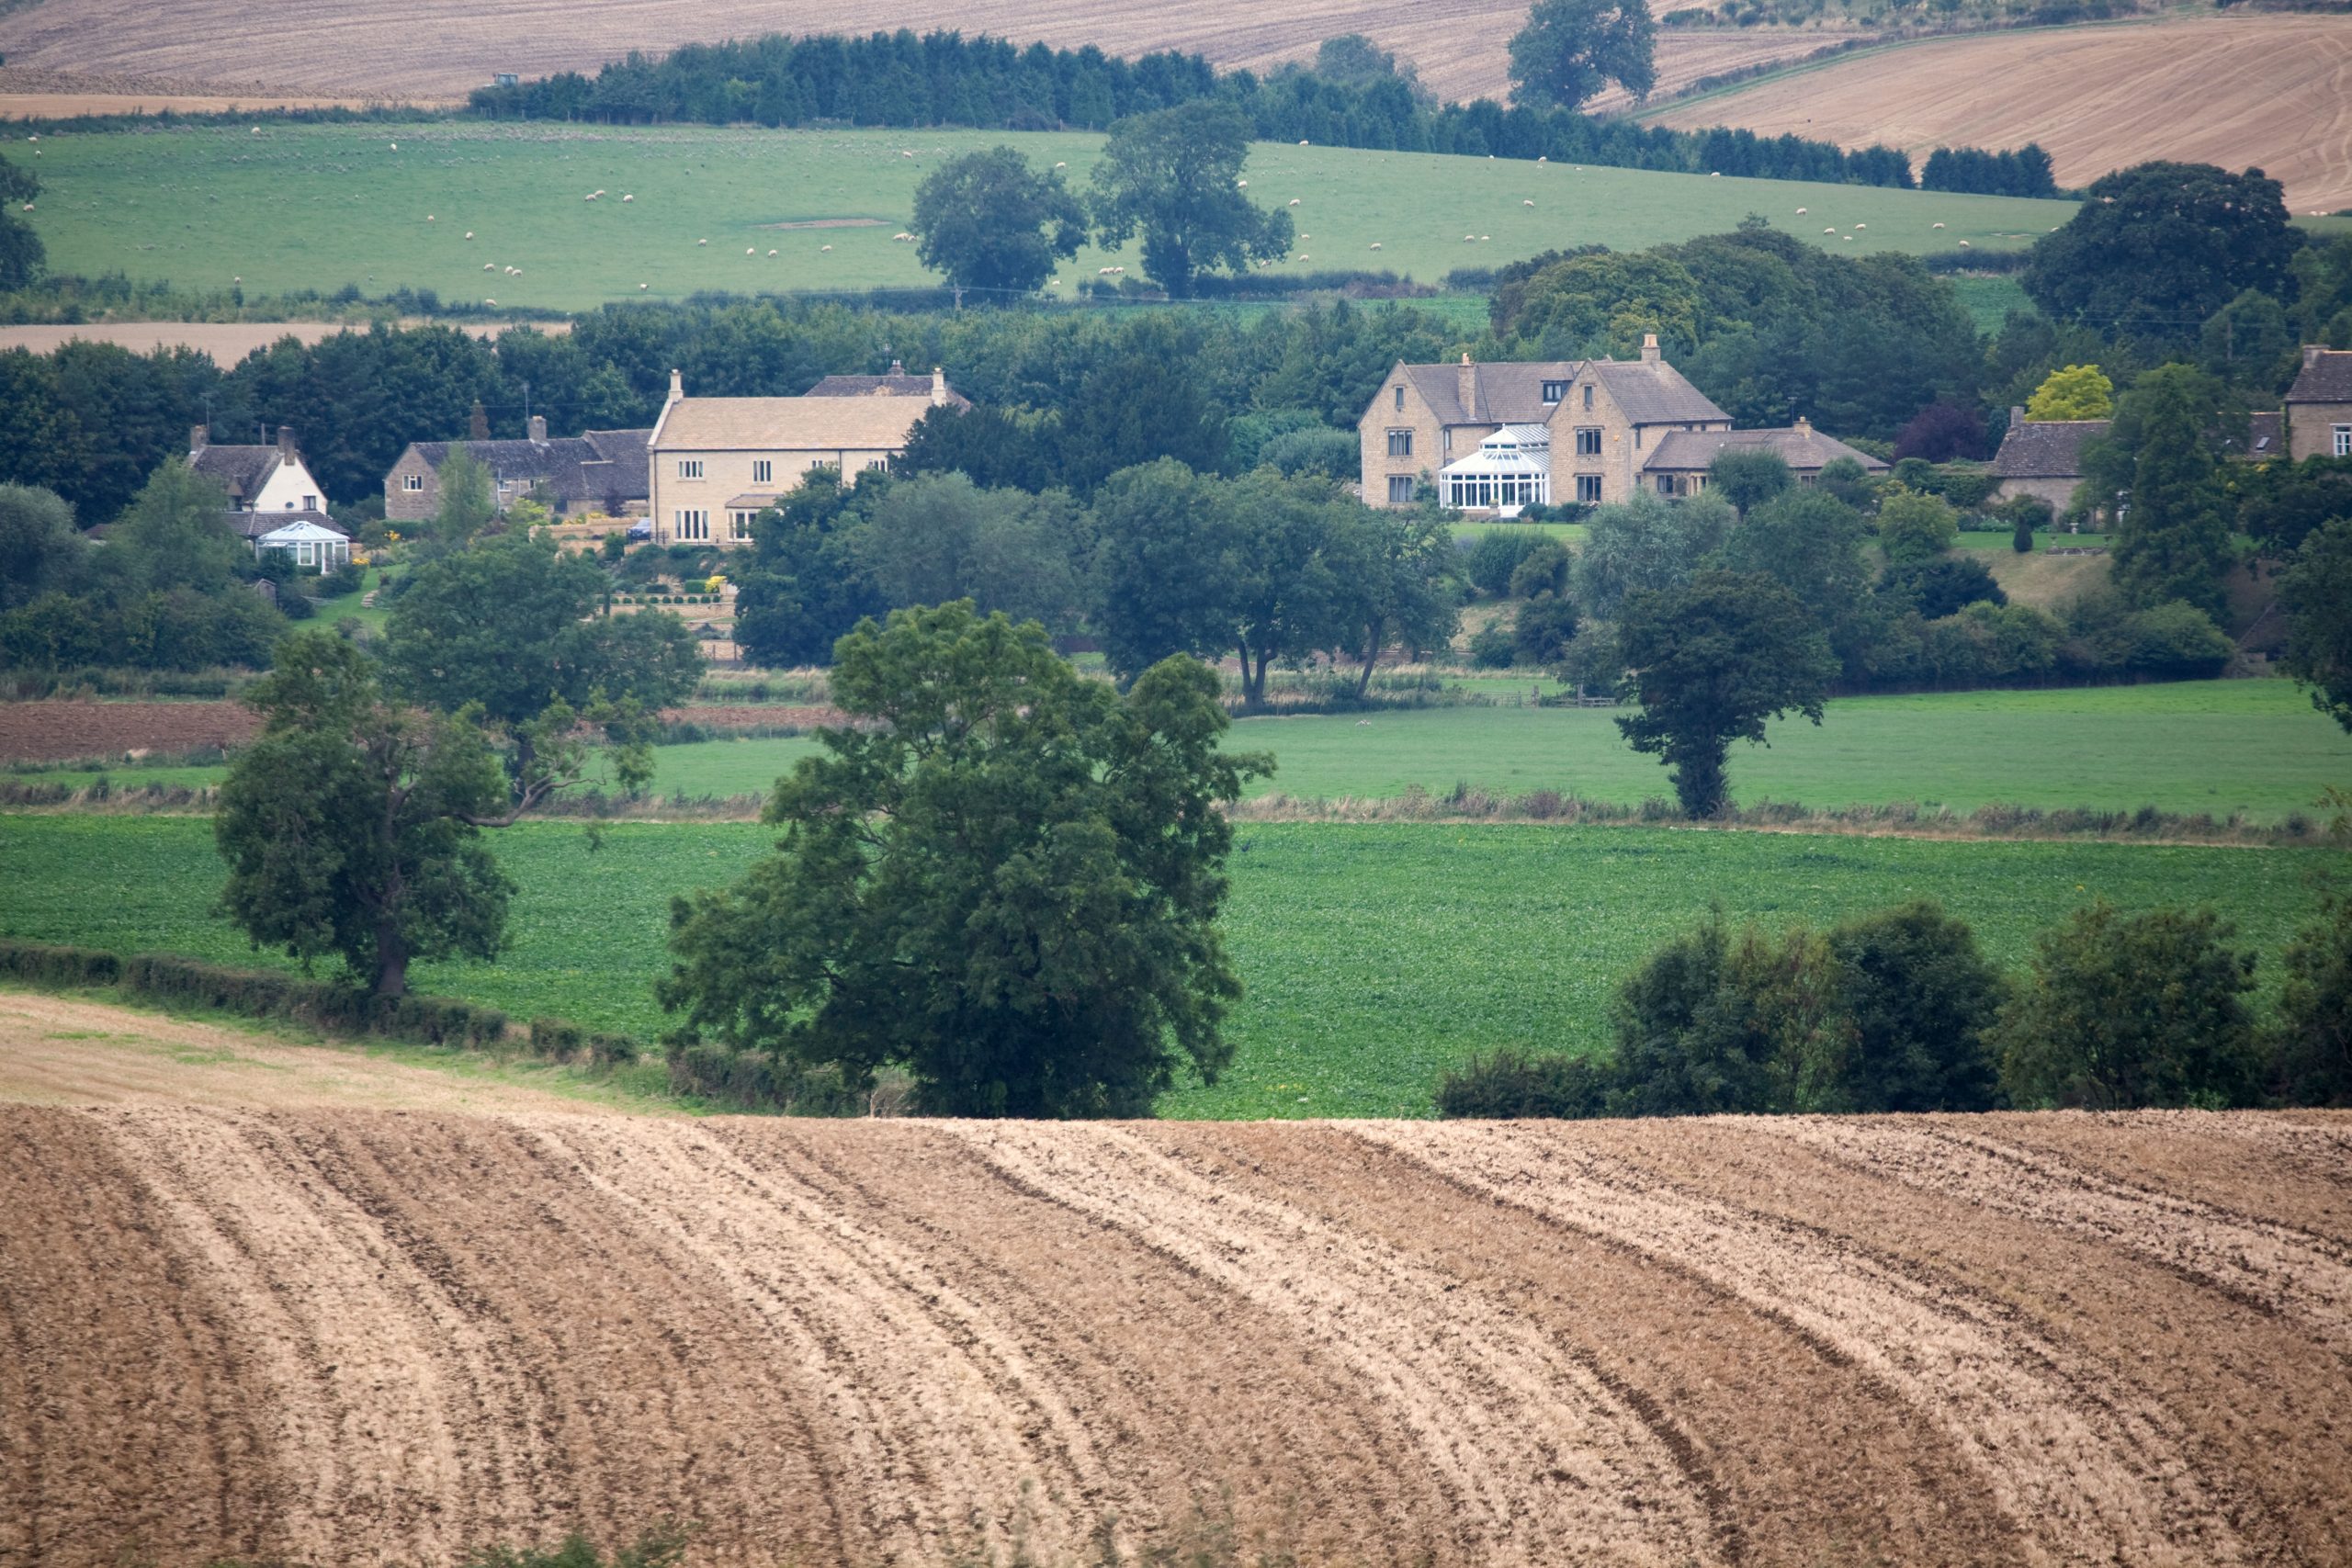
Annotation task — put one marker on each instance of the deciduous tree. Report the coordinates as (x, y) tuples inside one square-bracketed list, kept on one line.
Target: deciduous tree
[(1004, 879), (2317, 593), (1176, 176), (988, 220), (1571, 48), (2072, 391)]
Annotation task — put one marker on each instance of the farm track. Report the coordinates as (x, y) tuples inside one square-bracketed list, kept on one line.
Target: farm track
[(369, 1337)]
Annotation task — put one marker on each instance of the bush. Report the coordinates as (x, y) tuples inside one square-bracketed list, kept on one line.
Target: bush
[(1542, 569), (1543, 629), (50, 967), (1941, 586), (561, 1041), (2123, 1011), (1511, 1085), (752, 1080), (347, 578), (1918, 999), (2309, 1037), (1492, 646), (1496, 556), (1914, 527)]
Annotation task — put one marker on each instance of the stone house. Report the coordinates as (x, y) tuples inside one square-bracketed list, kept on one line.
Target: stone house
[(2319, 405), (2043, 457), (895, 384), (271, 492), (1498, 437), (716, 463), (598, 471)]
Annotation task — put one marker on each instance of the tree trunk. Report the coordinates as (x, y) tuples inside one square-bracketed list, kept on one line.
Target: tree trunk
[(391, 958)]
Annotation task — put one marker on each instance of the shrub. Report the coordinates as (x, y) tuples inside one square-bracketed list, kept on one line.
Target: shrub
[(51, 967), (1511, 1085), (1542, 569), (1492, 646), (2122, 1012), (1496, 556), (2309, 1037), (1919, 998), (1680, 1050), (1916, 527), (753, 1080), (1543, 629), (1941, 586)]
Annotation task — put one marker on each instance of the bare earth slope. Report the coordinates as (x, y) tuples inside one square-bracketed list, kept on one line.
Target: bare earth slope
[(2273, 92), (360, 1337), (437, 51)]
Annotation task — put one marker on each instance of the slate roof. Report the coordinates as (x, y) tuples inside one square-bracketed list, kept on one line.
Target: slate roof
[(240, 470), (790, 424), (2266, 436), (599, 465), (1802, 448), (254, 524), (1511, 391), (2325, 379), (2046, 449), (883, 386)]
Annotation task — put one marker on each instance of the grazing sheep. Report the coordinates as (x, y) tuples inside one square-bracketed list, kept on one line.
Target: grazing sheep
[(490, 301), (1061, 165), (428, 217), (1861, 225), (771, 253), (1936, 225), (1304, 257), (1293, 201), (1376, 244), (1543, 160), (906, 155), (625, 197), (469, 233), (1306, 236), (823, 248), (1469, 239), (750, 250), (239, 278), (256, 131), (396, 146), (1831, 230), (701, 242), (1241, 185), (1963, 244), (1484, 237), (1800, 211), (1714, 174), (1101, 272), (1527, 204), (641, 285), (490, 267)]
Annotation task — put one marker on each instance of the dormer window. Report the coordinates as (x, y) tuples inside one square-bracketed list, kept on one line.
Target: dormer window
[(1553, 392)]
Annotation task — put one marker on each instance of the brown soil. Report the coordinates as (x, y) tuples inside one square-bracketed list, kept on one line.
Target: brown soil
[(2274, 92), (56, 731), (363, 1336), (56, 1051), (755, 715)]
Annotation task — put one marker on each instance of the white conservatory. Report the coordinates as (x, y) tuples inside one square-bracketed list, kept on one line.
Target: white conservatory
[(309, 544), (1511, 470)]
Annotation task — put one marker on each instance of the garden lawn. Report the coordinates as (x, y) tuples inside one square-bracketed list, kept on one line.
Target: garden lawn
[(1373, 956), (340, 205)]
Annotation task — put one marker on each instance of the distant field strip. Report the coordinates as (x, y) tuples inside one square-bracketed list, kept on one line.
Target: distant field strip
[(2271, 91), (347, 1336), (386, 207)]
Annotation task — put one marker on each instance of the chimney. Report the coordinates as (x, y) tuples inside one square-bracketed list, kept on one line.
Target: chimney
[(677, 387), (199, 436), (539, 426), (1466, 387), (938, 387), (1649, 349), (478, 422), (1804, 426), (898, 367), (2016, 415), (286, 443), (2311, 351)]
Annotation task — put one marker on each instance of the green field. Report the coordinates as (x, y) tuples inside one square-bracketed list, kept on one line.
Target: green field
[(2221, 747), (317, 207), (1373, 956)]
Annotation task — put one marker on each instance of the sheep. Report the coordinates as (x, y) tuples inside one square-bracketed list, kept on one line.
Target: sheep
[(625, 197), (1485, 237), (1935, 225), (1714, 174), (771, 253), (640, 287), (750, 250), (1241, 185), (239, 278), (1800, 211), (1469, 239), (1302, 141), (1861, 225), (905, 154), (256, 131), (822, 249), (1306, 236), (396, 146), (1376, 244), (1293, 201), (490, 267), (490, 301), (469, 233), (428, 217), (1304, 257), (1527, 204), (701, 242), (1831, 230), (1101, 272), (1061, 165), (1963, 244), (1543, 160)]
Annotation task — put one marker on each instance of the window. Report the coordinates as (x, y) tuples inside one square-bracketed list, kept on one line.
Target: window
[(690, 468), (1401, 443), (1400, 400), (762, 471), (1637, 438), (310, 503), (872, 464), (1401, 489), (2344, 440), (1589, 489), (692, 524), (1587, 395), (1446, 439), (740, 524), (1588, 441), (1666, 484), (412, 481), (1553, 392)]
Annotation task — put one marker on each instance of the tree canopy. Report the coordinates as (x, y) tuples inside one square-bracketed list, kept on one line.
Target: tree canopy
[(989, 220), (1005, 878), (2317, 592), (2172, 527), (1176, 176), (21, 254), (1710, 662), (1569, 49), (2072, 391)]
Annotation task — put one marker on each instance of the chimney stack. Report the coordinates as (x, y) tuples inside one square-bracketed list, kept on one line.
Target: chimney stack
[(1649, 349), (677, 387), (1804, 426), (938, 387), (199, 436), (286, 443), (1466, 387), (538, 428), (898, 367), (2016, 415), (478, 422), (2311, 351)]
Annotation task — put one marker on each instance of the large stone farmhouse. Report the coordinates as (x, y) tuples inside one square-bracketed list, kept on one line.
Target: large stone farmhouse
[(274, 503), (719, 462), (1499, 437), (599, 470)]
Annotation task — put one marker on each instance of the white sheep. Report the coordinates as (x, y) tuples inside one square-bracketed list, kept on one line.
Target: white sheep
[(1304, 257), (905, 154), (750, 250), (1714, 174), (701, 242), (469, 233), (1376, 244), (1241, 185), (1936, 225), (1861, 225), (428, 217), (1469, 239), (626, 196), (1061, 165), (641, 285), (1543, 160), (1527, 204), (1800, 211), (256, 131), (490, 301), (1293, 201), (1101, 272), (1963, 244), (771, 253), (1831, 230), (239, 278), (1485, 237), (396, 146), (490, 267), (823, 248), (1302, 141)]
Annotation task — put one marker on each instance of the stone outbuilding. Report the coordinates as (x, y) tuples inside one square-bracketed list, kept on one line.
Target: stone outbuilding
[(598, 471), (2318, 412), (1680, 464), (2043, 457)]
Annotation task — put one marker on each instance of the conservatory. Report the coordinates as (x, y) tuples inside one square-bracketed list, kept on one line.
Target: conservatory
[(1511, 470), (309, 543)]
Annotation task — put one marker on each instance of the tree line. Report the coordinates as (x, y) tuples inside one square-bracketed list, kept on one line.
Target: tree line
[(943, 78), (2023, 171)]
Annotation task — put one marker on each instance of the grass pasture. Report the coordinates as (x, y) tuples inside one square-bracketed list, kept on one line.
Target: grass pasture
[(342, 204), (1373, 954)]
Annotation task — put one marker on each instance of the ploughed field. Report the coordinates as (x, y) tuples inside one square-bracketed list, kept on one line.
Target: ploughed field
[(365, 1336)]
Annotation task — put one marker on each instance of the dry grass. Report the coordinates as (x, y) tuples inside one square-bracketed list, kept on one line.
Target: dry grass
[(352, 1336), (2270, 91), (439, 50)]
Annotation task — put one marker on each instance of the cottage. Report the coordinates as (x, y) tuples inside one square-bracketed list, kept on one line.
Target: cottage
[(271, 491), (716, 463), (598, 471), (2043, 457), (2318, 412), (1504, 436)]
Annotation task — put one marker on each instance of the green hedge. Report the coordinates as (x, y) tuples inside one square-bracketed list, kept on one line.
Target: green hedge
[(558, 1040), (752, 1080), (39, 964)]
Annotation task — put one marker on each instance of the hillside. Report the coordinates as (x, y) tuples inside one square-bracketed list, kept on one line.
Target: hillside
[(384, 206), (2270, 91), (353, 1335)]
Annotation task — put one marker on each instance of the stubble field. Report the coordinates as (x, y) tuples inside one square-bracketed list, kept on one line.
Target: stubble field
[(2270, 91), (384, 206), (356, 1336)]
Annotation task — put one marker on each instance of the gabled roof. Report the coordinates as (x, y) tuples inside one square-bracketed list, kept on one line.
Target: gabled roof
[(789, 425), (1511, 391), (305, 529), (240, 470), (2325, 378), (1804, 448), (254, 524), (2266, 436), (883, 386), (2046, 449), (574, 467)]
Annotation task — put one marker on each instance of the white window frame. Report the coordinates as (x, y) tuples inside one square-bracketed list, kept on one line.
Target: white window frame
[(412, 481), (2344, 440), (690, 526), (762, 471), (690, 468), (1555, 392), (738, 522)]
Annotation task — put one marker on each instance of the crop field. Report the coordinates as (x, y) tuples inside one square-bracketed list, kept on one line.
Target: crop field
[(1373, 956), (350, 1336), (383, 207), (2274, 92)]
